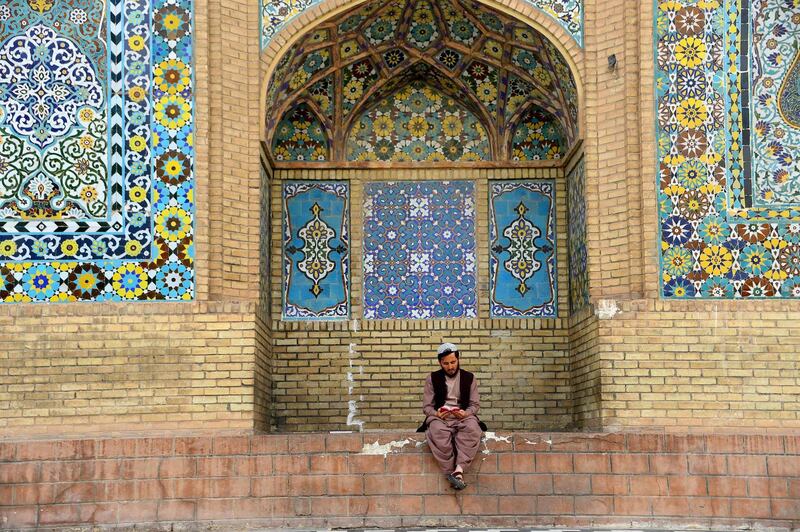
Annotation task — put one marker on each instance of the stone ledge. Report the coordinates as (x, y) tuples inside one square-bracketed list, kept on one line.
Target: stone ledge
[(390, 479)]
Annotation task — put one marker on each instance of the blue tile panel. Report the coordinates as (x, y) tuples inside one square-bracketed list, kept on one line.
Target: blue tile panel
[(718, 241), (578, 255), (275, 14), (316, 250), (96, 178), (522, 244), (419, 250)]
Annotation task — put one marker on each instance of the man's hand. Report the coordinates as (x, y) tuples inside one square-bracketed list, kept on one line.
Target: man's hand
[(444, 414), (461, 414)]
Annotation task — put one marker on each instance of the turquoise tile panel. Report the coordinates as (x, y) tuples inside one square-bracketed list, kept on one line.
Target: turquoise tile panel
[(522, 242), (316, 250)]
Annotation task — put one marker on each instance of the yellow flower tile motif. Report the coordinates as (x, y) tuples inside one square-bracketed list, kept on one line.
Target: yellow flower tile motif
[(721, 235), (417, 124)]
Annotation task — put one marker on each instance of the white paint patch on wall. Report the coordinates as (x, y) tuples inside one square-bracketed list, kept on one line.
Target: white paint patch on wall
[(352, 404), (606, 309), (386, 448), (491, 436)]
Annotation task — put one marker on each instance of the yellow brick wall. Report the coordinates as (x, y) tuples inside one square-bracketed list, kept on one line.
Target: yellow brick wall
[(73, 368), (585, 370), (699, 365)]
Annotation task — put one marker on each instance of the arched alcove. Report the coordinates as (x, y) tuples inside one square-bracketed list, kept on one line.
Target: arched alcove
[(455, 151)]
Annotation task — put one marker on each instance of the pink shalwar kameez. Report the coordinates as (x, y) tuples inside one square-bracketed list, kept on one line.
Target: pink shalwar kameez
[(443, 433)]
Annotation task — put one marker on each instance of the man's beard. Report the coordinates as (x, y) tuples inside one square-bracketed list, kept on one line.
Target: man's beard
[(451, 373)]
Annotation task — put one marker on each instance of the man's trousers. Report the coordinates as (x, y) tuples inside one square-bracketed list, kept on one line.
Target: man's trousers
[(454, 441)]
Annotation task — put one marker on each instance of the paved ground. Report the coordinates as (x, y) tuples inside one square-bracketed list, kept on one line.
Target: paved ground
[(535, 529)]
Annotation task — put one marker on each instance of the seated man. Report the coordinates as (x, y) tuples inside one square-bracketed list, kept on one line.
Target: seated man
[(451, 403)]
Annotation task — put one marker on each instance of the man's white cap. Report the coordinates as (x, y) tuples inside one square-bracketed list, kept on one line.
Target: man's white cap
[(447, 347)]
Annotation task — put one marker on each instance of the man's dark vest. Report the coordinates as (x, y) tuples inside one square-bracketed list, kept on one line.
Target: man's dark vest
[(440, 388), (440, 393)]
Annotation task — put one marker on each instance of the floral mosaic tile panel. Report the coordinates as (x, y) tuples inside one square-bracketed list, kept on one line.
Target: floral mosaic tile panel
[(533, 64), (714, 244), (313, 63), (774, 60), (449, 58), (522, 241), (518, 91), (418, 123), (300, 137), (316, 250), (419, 250), (275, 14), (349, 48), (566, 81), (321, 93), (538, 137), (578, 255), (394, 58), (96, 118)]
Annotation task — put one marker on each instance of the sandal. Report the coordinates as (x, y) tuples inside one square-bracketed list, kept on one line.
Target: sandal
[(456, 480)]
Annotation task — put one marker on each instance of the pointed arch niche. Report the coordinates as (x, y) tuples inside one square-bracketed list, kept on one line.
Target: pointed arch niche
[(428, 152)]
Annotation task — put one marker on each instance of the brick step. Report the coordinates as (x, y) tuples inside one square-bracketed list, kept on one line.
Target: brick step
[(390, 479)]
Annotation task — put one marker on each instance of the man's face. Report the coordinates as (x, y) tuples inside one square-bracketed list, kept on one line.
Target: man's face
[(449, 364)]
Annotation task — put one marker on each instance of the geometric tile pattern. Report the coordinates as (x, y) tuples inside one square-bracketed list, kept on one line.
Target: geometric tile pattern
[(385, 27), (357, 79), (522, 241), (418, 124), (96, 193), (316, 252), (538, 137), (275, 14), (566, 82), (775, 102), (459, 26), (482, 80), (715, 242), (578, 255), (322, 94), (519, 91), (419, 250), (480, 57), (423, 31), (300, 137)]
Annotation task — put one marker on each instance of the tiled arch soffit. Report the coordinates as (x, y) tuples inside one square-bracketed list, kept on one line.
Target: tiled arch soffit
[(565, 14), (319, 13)]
